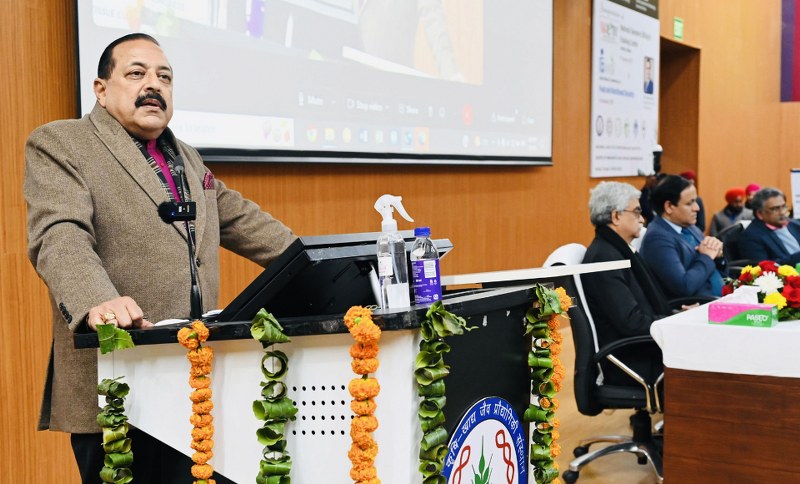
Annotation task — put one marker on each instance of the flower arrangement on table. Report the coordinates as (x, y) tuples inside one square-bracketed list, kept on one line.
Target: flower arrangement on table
[(777, 284)]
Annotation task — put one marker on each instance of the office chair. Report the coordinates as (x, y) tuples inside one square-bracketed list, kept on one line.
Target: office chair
[(729, 237), (593, 396)]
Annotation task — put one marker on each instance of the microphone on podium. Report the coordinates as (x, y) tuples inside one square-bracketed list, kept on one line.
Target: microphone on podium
[(183, 211)]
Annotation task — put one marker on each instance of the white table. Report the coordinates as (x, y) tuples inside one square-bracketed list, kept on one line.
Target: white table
[(689, 342)]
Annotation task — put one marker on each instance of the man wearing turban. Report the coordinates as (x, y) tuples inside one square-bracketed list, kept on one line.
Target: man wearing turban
[(734, 212)]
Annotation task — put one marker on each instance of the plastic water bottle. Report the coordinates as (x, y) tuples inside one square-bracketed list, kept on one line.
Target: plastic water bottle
[(425, 275)]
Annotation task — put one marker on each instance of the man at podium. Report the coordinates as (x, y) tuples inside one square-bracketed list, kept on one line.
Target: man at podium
[(93, 188)]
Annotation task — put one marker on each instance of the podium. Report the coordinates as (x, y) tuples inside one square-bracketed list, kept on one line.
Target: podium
[(490, 361)]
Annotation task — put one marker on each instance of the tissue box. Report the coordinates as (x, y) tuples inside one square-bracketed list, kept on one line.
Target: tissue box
[(756, 315)]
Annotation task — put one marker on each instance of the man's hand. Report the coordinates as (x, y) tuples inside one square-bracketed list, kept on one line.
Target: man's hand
[(710, 246), (122, 311)]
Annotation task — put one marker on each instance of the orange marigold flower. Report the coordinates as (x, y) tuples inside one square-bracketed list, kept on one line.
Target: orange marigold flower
[(556, 435), (556, 403), (201, 420), (371, 481), (202, 457), (363, 474), (363, 454), (355, 314), (203, 471), (362, 439), (364, 366), (367, 423), (563, 297), (203, 433), (200, 395), (363, 407), (363, 388), (199, 381), (556, 422), (188, 338), (201, 330), (201, 356), (544, 402), (365, 350), (367, 332), (554, 323), (200, 370), (203, 407), (555, 449), (557, 338), (204, 445)]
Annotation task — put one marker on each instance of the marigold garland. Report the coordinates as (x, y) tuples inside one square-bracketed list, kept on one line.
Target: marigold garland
[(430, 372), (274, 408), (200, 358), (547, 376), (363, 390)]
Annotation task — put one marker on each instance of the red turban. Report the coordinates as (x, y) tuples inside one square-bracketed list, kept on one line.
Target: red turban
[(734, 193), (689, 175), (752, 188)]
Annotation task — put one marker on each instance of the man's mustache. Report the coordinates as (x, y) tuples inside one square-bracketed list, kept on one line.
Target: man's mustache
[(151, 95)]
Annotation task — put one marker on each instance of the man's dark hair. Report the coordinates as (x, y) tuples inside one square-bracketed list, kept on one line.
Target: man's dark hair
[(106, 64), (761, 196), (668, 188)]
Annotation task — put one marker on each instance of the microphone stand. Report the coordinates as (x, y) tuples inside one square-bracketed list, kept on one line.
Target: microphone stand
[(196, 298)]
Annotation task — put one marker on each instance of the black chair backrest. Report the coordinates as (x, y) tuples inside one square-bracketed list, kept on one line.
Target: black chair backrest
[(729, 237), (586, 371)]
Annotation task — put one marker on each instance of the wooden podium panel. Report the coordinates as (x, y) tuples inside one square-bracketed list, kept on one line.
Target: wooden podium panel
[(721, 427)]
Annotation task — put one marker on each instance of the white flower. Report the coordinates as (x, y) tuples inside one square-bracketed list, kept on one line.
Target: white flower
[(768, 283)]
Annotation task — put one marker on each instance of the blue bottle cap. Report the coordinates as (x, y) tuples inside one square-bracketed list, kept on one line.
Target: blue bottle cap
[(422, 232)]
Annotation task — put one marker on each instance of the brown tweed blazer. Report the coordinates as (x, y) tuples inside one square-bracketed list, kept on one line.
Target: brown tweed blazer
[(94, 234)]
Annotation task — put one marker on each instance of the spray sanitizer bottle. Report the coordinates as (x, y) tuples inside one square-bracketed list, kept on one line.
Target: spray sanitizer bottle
[(392, 261)]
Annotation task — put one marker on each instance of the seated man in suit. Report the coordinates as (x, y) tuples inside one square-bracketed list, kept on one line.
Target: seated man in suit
[(623, 302), (684, 261), (771, 235)]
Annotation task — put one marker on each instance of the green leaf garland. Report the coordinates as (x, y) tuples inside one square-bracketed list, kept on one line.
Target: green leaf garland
[(114, 424), (544, 364), (275, 408), (113, 338), (430, 372)]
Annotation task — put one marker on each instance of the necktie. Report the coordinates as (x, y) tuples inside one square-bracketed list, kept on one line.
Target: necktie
[(689, 237)]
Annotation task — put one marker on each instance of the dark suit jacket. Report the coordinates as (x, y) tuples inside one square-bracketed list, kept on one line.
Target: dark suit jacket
[(618, 304), (681, 270), (94, 234), (757, 242), (620, 309)]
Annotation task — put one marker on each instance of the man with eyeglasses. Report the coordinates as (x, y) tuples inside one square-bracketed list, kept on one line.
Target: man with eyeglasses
[(685, 262), (771, 235)]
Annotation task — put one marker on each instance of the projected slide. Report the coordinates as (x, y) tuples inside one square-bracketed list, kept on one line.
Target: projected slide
[(346, 79)]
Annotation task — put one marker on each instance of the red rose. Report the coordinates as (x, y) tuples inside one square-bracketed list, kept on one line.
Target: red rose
[(792, 281), (727, 289), (792, 295), (746, 277), (768, 266)]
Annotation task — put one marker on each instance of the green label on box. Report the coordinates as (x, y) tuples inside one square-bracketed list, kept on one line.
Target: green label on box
[(759, 318)]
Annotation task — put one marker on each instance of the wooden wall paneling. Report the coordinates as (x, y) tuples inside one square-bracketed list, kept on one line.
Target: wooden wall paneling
[(36, 39), (678, 128)]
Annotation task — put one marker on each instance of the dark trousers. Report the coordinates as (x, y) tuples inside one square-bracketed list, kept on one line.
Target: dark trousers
[(154, 462)]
